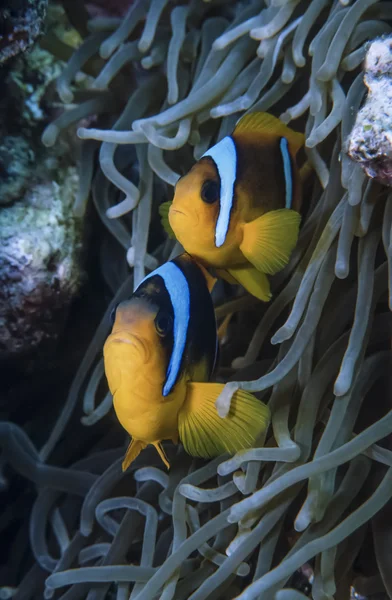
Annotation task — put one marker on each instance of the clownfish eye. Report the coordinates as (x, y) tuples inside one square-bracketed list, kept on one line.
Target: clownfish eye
[(163, 323), (113, 314), (210, 191)]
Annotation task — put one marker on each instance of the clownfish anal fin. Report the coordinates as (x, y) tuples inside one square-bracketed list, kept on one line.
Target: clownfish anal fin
[(164, 214), (133, 451), (254, 281), (269, 240), (205, 434)]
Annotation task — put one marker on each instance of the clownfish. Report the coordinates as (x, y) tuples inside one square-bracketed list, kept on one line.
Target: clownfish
[(158, 360), (236, 210)]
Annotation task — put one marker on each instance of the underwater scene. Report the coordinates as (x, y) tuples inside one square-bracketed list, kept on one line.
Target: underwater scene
[(195, 299)]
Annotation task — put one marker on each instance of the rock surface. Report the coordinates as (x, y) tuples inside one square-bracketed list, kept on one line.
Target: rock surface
[(39, 272), (21, 22), (40, 239), (370, 142)]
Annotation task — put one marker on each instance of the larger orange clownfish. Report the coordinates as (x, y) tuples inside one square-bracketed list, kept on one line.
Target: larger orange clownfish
[(237, 208)]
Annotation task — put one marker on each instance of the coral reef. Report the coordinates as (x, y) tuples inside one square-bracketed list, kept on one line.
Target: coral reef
[(370, 142), (40, 274), (16, 163), (21, 22), (40, 270), (316, 498)]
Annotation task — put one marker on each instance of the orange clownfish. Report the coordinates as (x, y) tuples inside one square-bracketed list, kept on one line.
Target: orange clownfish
[(237, 208), (158, 359)]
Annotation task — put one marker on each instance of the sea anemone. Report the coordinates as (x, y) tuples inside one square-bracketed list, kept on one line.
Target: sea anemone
[(314, 500)]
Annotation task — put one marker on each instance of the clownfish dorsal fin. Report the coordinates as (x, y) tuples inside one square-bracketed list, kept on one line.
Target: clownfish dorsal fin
[(133, 451), (164, 214), (159, 448), (270, 239), (205, 434), (260, 122)]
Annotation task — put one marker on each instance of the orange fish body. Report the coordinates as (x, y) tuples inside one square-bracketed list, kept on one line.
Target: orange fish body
[(158, 358), (237, 208), (137, 391)]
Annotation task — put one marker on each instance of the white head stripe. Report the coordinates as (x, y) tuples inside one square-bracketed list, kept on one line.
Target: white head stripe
[(178, 290), (284, 149), (224, 154)]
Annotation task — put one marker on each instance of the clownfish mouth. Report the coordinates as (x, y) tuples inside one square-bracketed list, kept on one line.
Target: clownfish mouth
[(176, 211), (138, 344), (193, 216)]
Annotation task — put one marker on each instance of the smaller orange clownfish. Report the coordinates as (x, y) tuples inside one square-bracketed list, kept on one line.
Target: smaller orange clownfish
[(158, 360), (237, 208)]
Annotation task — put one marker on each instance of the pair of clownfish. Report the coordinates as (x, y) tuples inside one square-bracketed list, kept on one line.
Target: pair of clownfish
[(236, 211)]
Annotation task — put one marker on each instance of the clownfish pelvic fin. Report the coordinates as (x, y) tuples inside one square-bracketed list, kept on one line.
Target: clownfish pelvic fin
[(136, 446), (210, 280), (159, 448), (253, 280), (133, 451)]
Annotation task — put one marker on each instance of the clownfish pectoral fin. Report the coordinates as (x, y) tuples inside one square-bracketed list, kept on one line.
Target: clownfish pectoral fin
[(164, 214), (159, 448), (205, 434), (269, 240), (133, 451), (261, 122), (254, 281)]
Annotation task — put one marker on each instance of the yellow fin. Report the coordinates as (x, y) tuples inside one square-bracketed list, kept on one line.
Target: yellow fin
[(205, 434), (210, 280), (133, 451), (262, 122), (222, 329), (159, 448), (225, 275), (269, 240), (254, 281), (164, 214), (305, 172)]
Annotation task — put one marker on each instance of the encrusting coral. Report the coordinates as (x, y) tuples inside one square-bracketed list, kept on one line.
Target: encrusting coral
[(40, 237), (370, 141), (176, 78), (21, 23), (39, 265)]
